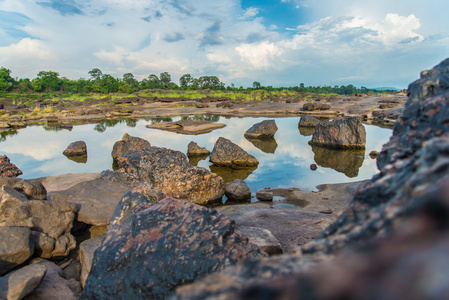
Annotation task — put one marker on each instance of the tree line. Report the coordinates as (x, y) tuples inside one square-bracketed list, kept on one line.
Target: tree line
[(51, 81)]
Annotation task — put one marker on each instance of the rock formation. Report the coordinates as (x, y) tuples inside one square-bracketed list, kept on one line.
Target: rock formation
[(237, 191), (347, 132), (308, 121), (263, 130), (129, 143), (228, 154), (8, 169), (78, 148), (194, 150)]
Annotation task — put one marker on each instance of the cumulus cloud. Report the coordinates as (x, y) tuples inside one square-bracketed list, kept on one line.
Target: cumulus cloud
[(259, 55)]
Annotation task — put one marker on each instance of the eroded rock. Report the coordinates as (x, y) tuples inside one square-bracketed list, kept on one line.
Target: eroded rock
[(308, 121), (194, 150), (237, 191), (78, 148), (15, 247), (228, 154), (18, 284), (8, 169), (129, 143), (263, 130)]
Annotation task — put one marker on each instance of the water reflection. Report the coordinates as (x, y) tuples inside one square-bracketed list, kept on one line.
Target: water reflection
[(282, 163), (306, 131), (81, 159), (5, 133), (265, 145), (347, 162), (194, 160)]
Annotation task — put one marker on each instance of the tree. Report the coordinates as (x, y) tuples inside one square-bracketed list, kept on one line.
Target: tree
[(256, 85), (185, 80), (95, 73), (165, 78), (209, 82), (47, 81), (6, 81)]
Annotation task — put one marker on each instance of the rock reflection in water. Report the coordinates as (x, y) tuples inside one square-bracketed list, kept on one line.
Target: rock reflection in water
[(343, 161), (306, 131), (194, 160), (265, 145), (229, 174), (81, 159)]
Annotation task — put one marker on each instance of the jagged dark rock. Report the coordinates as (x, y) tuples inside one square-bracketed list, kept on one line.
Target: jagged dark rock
[(129, 143), (8, 169), (150, 249)]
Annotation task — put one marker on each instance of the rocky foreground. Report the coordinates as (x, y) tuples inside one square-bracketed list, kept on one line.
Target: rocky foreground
[(125, 233)]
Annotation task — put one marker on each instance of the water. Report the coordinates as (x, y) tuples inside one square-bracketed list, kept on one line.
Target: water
[(285, 162)]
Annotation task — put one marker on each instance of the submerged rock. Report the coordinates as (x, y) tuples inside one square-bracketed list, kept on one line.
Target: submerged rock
[(188, 126), (348, 132), (150, 249), (8, 169), (263, 130), (228, 154)]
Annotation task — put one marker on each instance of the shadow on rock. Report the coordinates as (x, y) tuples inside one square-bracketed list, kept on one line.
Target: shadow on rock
[(347, 162), (265, 145)]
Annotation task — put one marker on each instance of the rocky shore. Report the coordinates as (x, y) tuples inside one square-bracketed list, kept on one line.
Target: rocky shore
[(147, 229)]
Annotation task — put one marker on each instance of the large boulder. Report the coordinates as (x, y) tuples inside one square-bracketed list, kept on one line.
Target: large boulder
[(78, 148), (9, 197), (31, 188), (263, 130), (150, 249), (170, 171), (15, 247), (347, 132), (8, 169), (228, 154), (237, 191), (50, 223), (129, 143)]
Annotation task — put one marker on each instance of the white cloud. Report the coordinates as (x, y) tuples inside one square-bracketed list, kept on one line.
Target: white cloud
[(259, 55), (250, 13), (26, 50)]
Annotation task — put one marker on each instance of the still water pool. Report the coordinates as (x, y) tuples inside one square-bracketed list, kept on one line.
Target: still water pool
[(284, 162)]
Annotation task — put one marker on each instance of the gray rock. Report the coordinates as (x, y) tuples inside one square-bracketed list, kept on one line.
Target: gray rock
[(54, 285), (347, 132), (87, 250), (308, 121), (262, 238), (9, 197), (263, 130), (95, 199), (228, 154), (16, 285), (315, 106), (15, 247), (78, 148), (194, 150), (8, 169), (31, 188), (237, 191), (129, 143), (264, 195), (150, 249), (50, 223)]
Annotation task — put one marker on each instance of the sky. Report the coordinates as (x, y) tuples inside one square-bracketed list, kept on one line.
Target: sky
[(368, 43)]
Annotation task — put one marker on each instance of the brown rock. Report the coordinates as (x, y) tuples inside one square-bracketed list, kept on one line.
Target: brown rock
[(8, 169), (129, 143), (228, 154)]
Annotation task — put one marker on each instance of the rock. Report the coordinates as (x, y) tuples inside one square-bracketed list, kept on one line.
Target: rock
[(265, 145), (188, 126), (194, 150), (76, 149), (95, 199), (313, 167), (228, 154), (129, 143), (15, 247), (8, 169), (237, 191), (50, 223), (54, 285), (306, 131), (315, 106), (348, 132), (263, 130), (201, 105), (32, 189), (170, 171), (264, 195), (16, 285), (374, 154), (263, 239), (308, 121), (87, 250), (150, 249), (9, 197), (346, 161)]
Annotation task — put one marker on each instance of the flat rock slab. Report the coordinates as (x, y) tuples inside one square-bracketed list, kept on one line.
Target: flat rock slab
[(292, 227), (96, 199), (188, 126), (20, 283), (15, 247), (63, 182)]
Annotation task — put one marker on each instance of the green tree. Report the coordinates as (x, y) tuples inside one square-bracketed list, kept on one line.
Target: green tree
[(185, 80), (49, 81), (6, 81), (95, 73), (209, 82), (256, 85), (165, 78)]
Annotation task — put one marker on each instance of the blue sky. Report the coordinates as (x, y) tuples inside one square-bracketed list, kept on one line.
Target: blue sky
[(279, 42)]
